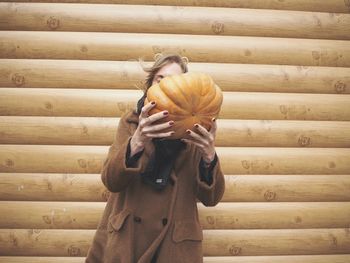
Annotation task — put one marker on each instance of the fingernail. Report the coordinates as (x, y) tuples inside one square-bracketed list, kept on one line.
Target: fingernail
[(196, 125), (153, 102), (171, 133), (171, 123), (165, 113), (213, 119), (188, 131)]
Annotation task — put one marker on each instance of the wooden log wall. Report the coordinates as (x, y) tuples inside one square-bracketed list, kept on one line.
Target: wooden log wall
[(69, 70)]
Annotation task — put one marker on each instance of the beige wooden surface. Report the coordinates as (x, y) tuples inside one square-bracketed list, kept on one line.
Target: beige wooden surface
[(167, 19), (284, 130), (198, 48), (231, 215), (303, 5), (98, 74), (242, 242), (239, 188), (113, 103), (231, 132), (229, 259), (233, 160)]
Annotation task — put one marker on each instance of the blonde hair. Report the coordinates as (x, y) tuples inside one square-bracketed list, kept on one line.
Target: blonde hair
[(161, 59)]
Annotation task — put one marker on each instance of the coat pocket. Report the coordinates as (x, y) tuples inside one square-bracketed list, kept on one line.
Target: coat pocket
[(187, 230), (116, 221)]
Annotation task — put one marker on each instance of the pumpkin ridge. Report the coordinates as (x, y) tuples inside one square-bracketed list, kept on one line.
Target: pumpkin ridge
[(178, 89), (162, 105), (206, 92), (183, 90), (195, 101), (212, 106)]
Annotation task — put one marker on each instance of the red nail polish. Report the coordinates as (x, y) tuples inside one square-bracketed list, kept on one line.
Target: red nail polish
[(188, 131), (213, 119), (165, 113), (171, 123), (196, 125), (153, 102)]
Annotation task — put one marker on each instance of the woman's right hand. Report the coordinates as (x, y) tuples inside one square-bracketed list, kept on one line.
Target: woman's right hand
[(146, 130)]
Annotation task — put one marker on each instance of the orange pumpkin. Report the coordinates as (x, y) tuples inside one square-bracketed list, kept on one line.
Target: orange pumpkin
[(189, 98)]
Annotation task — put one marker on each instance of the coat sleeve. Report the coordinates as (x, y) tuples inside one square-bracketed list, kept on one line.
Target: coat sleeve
[(210, 194), (115, 174)]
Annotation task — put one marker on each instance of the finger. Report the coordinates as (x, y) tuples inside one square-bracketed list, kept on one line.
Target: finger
[(202, 130), (159, 135), (193, 142), (158, 116), (144, 122), (213, 126), (145, 109), (157, 127), (197, 137)]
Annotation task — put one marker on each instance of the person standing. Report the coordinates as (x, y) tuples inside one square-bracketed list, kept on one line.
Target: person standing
[(151, 215)]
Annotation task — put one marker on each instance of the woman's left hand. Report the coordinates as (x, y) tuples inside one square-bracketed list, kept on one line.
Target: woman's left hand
[(204, 140)]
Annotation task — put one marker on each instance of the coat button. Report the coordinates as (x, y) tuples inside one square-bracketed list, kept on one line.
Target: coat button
[(137, 219), (164, 221)]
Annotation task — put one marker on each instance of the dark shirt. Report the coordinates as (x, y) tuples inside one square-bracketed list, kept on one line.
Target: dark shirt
[(206, 173)]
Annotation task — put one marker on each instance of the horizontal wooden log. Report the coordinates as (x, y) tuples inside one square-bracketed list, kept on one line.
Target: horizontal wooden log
[(275, 215), (37, 242), (244, 133), (302, 5), (281, 188), (274, 259), (173, 20), (234, 160), (239, 188), (276, 242), (58, 130), (344, 258), (51, 215), (114, 103), (90, 74), (33, 259), (218, 49), (67, 102), (52, 187), (61, 242), (78, 215)]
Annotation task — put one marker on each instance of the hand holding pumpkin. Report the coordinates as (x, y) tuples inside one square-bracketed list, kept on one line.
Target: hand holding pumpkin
[(147, 129), (191, 98), (193, 101), (204, 140)]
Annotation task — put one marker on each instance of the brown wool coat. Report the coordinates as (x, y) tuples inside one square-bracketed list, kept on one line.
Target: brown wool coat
[(138, 219)]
